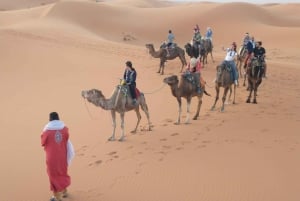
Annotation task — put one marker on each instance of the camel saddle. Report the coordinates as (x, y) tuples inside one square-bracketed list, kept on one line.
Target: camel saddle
[(125, 90)]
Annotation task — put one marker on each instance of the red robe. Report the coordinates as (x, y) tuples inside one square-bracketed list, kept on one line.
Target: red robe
[(55, 145)]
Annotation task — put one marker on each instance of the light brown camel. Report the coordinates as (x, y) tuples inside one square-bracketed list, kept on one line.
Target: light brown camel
[(255, 72), (163, 56), (224, 80), (185, 89), (242, 54), (119, 102)]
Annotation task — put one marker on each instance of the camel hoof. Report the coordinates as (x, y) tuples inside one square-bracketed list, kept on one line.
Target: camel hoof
[(122, 139), (111, 139), (254, 102), (134, 131), (248, 101), (176, 123)]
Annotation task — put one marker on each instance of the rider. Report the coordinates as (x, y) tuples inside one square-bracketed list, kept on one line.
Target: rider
[(130, 78), (249, 47), (197, 37), (260, 52), (229, 58), (245, 41), (194, 67), (170, 40), (209, 34)]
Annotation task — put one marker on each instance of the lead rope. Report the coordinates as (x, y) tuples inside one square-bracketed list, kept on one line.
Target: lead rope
[(156, 90), (88, 109)]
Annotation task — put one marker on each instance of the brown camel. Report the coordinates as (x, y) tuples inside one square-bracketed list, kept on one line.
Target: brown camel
[(163, 55), (119, 102), (187, 90), (255, 72), (224, 80)]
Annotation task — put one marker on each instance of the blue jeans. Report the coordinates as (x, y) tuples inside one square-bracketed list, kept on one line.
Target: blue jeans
[(234, 73)]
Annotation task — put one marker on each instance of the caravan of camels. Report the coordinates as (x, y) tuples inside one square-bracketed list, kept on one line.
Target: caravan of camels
[(189, 84)]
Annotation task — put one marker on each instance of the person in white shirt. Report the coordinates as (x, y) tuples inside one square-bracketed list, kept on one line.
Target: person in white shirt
[(230, 57)]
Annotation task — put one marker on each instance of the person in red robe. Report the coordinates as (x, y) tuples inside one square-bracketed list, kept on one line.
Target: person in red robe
[(54, 139)]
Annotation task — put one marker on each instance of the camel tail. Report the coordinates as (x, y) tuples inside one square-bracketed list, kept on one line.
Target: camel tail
[(205, 92)]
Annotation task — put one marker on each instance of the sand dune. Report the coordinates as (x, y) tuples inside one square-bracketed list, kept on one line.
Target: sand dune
[(49, 53)]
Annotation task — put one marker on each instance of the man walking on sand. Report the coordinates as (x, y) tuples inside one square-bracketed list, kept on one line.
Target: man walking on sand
[(59, 151)]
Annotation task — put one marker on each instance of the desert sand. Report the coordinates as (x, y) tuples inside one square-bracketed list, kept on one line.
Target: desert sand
[(52, 50)]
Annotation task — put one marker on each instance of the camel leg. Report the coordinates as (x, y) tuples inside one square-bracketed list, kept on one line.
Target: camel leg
[(122, 114), (224, 98), (188, 105), (250, 92), (113, 115), (198, 107), (230, 93), (138, 114), (145, 109), (162, 67), (212, 58), (234, 89), (245, 76), (179, 111), (217, 97)]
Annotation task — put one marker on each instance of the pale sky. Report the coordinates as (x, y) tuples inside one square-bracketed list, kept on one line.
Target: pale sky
[(252, 1)]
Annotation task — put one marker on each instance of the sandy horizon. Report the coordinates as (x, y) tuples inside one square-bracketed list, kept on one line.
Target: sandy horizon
[(52, 50)]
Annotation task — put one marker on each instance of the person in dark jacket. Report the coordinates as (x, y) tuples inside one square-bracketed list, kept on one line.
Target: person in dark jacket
[(130, 79)]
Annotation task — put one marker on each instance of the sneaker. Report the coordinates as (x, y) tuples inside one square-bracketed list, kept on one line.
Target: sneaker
[(235, 82), (53, 199)]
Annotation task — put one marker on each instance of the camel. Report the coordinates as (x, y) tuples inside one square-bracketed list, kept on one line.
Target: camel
[(162, 54), (119, 102), (255, 72), (224, 80), (187, 90), (206, 47), (242, 54)]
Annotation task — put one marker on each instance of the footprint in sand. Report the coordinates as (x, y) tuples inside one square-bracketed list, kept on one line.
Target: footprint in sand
[(179, 148), (81, 150), (97, 162), (163, 139), (112, 153), (174, 134)]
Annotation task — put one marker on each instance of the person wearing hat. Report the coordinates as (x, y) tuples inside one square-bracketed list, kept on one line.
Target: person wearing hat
[(55, 140), (197, 37), (194, 66), (230, 59), (130, 79)]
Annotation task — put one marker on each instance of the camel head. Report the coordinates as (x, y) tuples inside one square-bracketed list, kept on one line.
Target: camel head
[(171, 80), (92, 95), (149, 45)]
